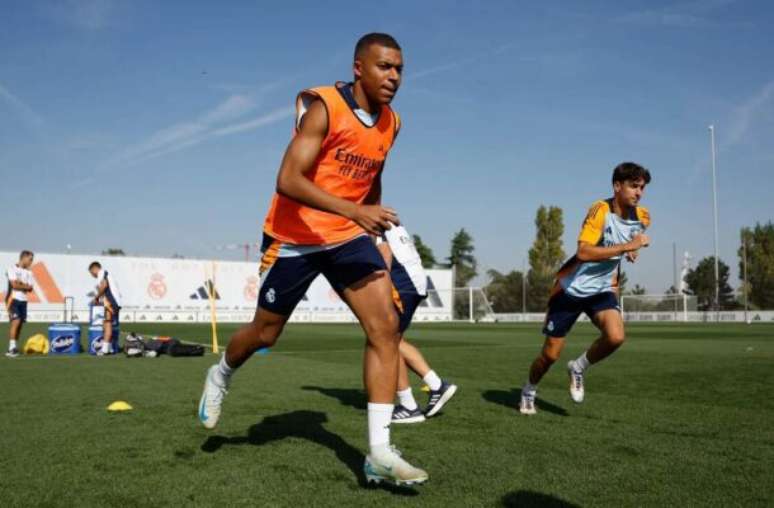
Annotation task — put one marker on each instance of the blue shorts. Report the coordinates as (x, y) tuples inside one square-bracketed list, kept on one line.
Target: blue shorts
[(17, 310), (285, 280), (564, 310), (405, 295)]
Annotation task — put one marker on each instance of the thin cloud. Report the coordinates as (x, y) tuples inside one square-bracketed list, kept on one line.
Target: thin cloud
[(458, 63), (25, 113), (696, 14), (228, 117), (84, 14), (740, 125), (745, 115), (268, 118), (186, 133)]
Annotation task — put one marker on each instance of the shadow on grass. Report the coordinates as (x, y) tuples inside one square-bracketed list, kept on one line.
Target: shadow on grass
[(347, 396), (527, 498), (305, 425), (511, 399)]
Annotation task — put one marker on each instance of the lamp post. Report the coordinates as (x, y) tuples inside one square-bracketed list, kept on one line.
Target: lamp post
[(715, 214)]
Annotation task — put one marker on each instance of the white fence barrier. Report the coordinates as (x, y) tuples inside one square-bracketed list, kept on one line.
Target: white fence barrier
[(753, 316), (179, 290)]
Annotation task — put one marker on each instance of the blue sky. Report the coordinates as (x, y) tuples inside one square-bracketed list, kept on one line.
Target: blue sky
[(158, 126)]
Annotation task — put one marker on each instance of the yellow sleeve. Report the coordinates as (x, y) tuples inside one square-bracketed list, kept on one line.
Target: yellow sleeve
[(644, 216), (591, 232)]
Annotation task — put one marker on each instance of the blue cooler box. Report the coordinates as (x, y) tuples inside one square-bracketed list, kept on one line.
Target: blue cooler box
[(95, 339), (64, 339)]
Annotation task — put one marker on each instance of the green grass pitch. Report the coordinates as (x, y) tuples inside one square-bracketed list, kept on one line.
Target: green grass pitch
[(682, 415)]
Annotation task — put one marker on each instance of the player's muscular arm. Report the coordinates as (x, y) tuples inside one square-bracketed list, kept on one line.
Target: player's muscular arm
[(299, 160), (374, 196), (589, 252), (100, 291), (20, 286)]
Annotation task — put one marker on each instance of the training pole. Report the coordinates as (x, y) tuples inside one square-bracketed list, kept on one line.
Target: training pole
[(213, 313)]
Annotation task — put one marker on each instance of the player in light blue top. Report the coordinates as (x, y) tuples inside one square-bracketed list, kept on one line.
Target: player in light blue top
[(588, 282)]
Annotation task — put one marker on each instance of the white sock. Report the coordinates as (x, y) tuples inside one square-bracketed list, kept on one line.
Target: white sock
[(224, 370), (406, 398), (529, 388), (105, 347), (432, 380), (11, 344), (379, 417), (582, 363)]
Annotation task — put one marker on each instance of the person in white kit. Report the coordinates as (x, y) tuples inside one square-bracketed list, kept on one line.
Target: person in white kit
[(20, 283), (409, 282), (109, 296)]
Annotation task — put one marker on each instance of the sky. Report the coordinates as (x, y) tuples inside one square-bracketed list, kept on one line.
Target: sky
[(158, 127)]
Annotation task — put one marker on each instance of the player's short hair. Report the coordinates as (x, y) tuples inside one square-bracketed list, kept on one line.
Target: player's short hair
[(381, 39), (630, 171), (26, 254), (94, 264)]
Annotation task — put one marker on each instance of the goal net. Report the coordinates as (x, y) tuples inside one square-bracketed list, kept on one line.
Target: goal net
[(650, 307)]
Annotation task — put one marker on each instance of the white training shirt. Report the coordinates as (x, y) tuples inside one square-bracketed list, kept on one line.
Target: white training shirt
[(112, 290), (18, 274)]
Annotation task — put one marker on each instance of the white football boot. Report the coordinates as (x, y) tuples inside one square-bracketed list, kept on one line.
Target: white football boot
[(527, 404), (576, 383), (393, 469), (212, 399)]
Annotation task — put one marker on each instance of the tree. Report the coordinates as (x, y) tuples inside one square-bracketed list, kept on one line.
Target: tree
[(760, 264), (461, 257), (638, 290), (623, 280), (504, 291), (545, 256), (112, 251), (425, 253), (701, 282)]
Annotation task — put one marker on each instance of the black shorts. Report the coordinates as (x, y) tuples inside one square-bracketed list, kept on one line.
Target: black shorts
[(17, 311), (564, 310), (285, 279), (405, 295)]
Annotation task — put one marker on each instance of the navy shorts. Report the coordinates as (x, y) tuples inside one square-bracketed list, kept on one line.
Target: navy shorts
[(17, 310), (564, 310), (405, 295), (112, 310), (285, 280)]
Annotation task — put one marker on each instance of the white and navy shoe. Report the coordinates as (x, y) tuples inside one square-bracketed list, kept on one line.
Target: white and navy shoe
[(12, 353), (401, 414), (212, 399), (391, 468), (527, 403), (438, 398), (577, 391)]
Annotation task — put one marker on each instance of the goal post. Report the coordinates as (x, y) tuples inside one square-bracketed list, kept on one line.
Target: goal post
[(657, 307), (470, 304)]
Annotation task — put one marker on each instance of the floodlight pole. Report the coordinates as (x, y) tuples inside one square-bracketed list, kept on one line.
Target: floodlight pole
[(674, 273), (524, 290), (744, 269), (715, 213)]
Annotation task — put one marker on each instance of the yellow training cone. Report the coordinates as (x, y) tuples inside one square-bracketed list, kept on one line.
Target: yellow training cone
[(425, 388), (119, 405)]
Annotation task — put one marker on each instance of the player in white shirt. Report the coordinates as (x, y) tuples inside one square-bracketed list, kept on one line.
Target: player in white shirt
[(409, 282), (109, 296), (20, 283)]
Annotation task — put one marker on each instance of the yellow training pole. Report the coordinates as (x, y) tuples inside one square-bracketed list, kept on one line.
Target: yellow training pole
[(213, 313)]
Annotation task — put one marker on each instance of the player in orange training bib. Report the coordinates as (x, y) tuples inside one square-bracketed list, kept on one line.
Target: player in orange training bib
[(327, 204)]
